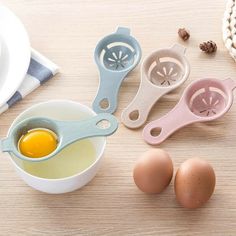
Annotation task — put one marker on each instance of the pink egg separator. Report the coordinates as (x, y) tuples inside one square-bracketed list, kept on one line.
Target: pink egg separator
[(203, 100)]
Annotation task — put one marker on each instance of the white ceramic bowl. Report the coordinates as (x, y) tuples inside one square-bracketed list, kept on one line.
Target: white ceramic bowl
[(64, 110)]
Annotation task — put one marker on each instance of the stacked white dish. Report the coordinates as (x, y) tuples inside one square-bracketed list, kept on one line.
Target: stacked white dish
[(14, 54)]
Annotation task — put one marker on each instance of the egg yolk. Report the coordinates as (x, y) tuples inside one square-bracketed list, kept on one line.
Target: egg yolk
[(37, 143)]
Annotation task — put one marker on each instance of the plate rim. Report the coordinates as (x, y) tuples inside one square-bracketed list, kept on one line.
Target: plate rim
[(8, 14)]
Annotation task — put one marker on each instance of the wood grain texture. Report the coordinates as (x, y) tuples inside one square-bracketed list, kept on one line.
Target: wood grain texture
[(67, 32)]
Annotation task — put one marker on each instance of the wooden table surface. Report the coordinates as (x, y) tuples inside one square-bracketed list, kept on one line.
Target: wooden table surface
[(67, 32)]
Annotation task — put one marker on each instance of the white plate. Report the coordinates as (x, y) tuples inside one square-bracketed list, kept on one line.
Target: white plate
[(15, 54)]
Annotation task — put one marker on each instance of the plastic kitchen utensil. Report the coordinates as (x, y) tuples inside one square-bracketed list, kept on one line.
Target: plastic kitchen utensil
[(116, 55), (162, 71), (15, 54), (203, 100), (67, 132), (31, 172)]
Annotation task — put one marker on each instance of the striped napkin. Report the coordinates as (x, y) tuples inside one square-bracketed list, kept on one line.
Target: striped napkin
[(40, 70)]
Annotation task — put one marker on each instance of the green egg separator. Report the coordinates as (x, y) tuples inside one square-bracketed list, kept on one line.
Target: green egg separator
[(67, 132), (115, 55)]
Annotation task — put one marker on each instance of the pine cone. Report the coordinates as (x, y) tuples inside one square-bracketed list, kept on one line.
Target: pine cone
[(208, 47), (183, 34)]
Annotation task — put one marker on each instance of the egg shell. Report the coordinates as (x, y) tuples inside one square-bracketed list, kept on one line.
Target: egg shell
[(153, 171), (194, 183)]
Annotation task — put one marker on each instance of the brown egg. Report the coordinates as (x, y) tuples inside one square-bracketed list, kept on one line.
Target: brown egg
[(153, 171), (194, 183)]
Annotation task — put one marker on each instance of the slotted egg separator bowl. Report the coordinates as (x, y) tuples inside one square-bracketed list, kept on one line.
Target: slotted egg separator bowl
[(115, 55), (203, 100), (162, 71), (66, 132)]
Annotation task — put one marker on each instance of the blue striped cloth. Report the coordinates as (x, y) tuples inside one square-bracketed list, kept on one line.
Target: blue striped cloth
[(40, 70)]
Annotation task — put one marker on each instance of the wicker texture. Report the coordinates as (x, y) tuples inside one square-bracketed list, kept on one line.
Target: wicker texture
[(229, 28)]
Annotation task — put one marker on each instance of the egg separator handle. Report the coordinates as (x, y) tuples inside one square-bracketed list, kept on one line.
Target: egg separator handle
[(107, 94), (230, 84), (178, 48), (5, 145), (123, 30), (103, 124), (159, 130), (110, 82), (135, 115)]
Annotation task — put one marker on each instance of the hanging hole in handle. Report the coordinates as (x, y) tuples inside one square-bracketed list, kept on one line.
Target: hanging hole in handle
[(104, 104), (155, 132), (134, 115), (103, 124)]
